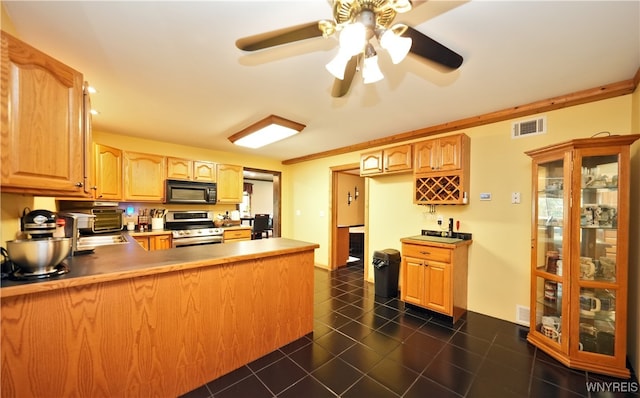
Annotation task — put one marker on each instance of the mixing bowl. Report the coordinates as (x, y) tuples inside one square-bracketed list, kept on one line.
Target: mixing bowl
[(38, 256)]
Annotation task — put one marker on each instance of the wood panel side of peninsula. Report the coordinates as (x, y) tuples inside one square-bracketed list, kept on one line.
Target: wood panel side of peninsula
[(160, 334)]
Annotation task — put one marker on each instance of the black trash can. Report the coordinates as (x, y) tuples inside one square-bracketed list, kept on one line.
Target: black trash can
[(386, 266)]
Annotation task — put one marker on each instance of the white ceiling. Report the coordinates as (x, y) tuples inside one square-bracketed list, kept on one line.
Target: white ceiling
[(170, 71)]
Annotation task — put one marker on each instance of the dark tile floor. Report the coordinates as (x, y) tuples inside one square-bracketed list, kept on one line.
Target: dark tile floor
[(368, 346)]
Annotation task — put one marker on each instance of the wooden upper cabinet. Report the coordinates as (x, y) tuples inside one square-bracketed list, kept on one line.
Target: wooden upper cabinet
[(43, 147), (389, 160), (229, 183), (191, 170), (204, 171), (398, 158), (441, 154), (371, 163), (144, 176), (108, 172), (442, 170), (179, 169)]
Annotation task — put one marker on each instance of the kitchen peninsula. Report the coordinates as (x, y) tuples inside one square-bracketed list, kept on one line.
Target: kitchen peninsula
[(125, 321)]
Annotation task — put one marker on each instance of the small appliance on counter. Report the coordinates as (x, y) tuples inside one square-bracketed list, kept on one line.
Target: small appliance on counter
[(38, 223), (40, 254), (92, 224)]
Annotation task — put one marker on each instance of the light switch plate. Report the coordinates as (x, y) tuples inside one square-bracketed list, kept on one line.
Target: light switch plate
[(515, 197)]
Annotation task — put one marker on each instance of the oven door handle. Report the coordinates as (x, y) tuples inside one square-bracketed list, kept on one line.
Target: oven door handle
[(196, 240)]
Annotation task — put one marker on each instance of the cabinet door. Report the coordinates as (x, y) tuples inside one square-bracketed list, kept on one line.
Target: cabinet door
[(142, 241), (160, 242), (230, 183), (599, 290), (143, 177), (42, 137), (371, 163), (234, 235), (424, 156), (204, 171), (449, 153), (179, 169), (437, 286), (108, 172), (413, 280), (398, 158)]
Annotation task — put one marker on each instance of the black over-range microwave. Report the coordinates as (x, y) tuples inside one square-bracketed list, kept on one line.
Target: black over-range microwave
[(190, 192)]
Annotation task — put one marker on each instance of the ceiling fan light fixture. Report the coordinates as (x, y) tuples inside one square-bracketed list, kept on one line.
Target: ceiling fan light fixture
[(397, 46), (338, 65), (266, 131), (371, 71), (353, 38)]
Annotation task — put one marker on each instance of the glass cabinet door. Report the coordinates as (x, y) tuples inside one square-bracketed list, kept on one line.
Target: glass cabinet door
[(597, 260), (550, 231)]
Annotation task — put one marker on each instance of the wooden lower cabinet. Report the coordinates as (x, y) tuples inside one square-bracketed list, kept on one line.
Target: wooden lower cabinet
[(434, 276), (234, 235), (155, 242)]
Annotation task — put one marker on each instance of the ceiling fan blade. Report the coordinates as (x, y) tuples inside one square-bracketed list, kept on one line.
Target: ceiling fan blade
[(341, 87), (425, 47), (278, 37)]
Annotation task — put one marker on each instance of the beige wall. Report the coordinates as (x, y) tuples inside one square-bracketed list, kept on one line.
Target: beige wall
[(499, 257)]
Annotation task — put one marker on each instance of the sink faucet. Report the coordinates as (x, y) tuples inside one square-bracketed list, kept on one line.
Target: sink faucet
[(450, 232)]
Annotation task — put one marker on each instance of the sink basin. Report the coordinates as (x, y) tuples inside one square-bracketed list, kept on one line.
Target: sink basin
[(101, 240), (456, 235), (437, 239)]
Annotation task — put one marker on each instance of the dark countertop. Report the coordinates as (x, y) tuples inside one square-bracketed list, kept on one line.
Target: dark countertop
[(436, 241), (130, 260)]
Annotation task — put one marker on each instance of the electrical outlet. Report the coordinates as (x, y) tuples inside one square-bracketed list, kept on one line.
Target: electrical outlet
[(515, 197), (440, 219)]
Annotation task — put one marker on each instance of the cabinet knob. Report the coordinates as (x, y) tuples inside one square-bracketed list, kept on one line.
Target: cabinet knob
[(79, 184), (95, 187)]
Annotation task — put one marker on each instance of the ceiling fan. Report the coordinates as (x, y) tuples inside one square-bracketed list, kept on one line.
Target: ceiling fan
[(358, 22)]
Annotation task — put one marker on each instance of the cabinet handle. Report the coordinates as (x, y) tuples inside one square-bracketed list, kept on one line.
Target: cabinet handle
[(425, 252), (79, 184), (95, 187)]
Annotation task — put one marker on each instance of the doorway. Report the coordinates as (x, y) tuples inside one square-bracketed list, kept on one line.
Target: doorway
[(348, 215), (266, 178)]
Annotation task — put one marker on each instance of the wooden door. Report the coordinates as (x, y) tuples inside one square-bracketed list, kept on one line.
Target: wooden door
[(142, 241), (438, 287), (160, 242), (108, 172), (413, 280), (229, 183), (179, 169), (424, 156), (204, 171), (143, 177), (42, 136), (449, 152), (371, 163), (398, 158)]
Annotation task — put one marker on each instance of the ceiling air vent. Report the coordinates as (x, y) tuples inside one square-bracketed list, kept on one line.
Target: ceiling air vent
[(529, 127)]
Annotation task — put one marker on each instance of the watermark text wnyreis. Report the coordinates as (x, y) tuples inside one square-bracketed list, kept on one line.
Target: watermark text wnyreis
[(613, 386)]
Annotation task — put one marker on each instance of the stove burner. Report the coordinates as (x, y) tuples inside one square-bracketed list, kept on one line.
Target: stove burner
[(18, 275)]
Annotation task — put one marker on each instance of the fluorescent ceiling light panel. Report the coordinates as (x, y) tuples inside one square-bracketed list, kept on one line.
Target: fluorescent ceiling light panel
[(266, 131)]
